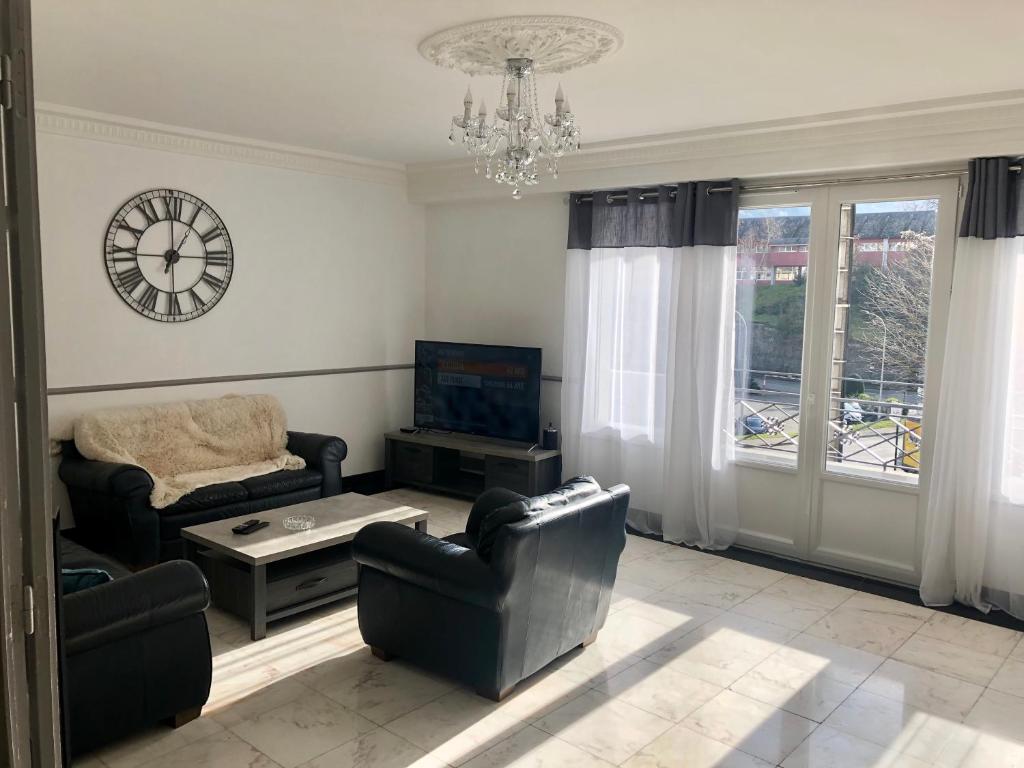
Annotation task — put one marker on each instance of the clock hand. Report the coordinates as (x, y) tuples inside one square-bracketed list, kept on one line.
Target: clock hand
[(188, 231)]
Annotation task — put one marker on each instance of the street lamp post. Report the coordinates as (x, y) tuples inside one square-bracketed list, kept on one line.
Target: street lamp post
[(881, 371)]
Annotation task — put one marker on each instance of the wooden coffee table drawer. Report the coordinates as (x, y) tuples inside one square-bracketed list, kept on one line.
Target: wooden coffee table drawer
[(291, 585)]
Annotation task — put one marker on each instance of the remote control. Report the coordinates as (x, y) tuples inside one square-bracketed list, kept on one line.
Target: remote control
[(249, 526)]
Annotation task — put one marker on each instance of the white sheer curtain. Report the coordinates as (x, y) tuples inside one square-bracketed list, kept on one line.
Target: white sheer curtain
[(647, 383), (974, 531)]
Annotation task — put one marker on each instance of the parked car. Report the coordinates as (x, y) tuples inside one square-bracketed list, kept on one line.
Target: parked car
[(852, 413), (754, 425)]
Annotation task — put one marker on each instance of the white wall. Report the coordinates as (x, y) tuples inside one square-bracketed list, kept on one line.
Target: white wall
[(495, 274), (328, 273)]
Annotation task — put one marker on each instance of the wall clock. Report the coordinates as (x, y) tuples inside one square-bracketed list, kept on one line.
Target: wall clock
[(168, 255)]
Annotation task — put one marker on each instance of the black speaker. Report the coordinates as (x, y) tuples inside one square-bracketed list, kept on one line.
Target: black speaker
[(549, 440)]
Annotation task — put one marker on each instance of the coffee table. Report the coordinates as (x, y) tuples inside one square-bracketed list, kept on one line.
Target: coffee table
[(275, 572)]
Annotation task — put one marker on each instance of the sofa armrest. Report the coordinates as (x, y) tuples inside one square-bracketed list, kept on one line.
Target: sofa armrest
[(434, 564), (132, 604), (105, 477), (321, 452)]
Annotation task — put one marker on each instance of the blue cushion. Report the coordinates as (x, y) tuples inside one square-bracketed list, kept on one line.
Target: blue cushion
[(76, 579)]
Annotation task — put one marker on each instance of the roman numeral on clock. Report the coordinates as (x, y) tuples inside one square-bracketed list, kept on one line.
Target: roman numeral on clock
[(124, 249), (173, 206), (129, 228), (196, 301), (213, 234), (214, 282), (130, 278), (147, 209), (149, 297), (173, 305), (216, 258)]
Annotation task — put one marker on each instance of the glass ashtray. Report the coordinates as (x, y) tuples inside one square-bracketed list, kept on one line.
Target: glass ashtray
[(299, 522)]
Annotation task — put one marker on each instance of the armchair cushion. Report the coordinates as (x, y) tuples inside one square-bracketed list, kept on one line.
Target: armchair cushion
[(487, 502), (493, 514), (439, 566), (497, 519), (159, 595), (568, 492)]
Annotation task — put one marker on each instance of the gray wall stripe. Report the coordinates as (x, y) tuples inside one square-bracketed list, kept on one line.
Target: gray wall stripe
[(240, 377)]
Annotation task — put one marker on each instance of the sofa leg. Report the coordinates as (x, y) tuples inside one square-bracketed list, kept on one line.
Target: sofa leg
[(186, 716), (589, 640), (501, 695), (381, 654)]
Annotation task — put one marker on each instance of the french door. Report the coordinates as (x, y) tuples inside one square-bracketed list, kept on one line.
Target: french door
[(841, 296)]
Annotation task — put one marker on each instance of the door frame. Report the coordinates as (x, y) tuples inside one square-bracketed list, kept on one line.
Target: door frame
[(798, 529), (805, 482), (947, 192), (30, 675)]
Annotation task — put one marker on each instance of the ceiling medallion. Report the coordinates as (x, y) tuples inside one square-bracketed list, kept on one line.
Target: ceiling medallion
[(520, 138)]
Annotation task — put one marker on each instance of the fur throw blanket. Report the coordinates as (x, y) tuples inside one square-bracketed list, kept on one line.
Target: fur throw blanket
[(184, 446)]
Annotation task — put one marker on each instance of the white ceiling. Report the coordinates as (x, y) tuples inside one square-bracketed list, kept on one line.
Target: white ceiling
[(345, 76)]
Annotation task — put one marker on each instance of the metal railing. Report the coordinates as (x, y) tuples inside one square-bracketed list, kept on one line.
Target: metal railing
[(881, 434)]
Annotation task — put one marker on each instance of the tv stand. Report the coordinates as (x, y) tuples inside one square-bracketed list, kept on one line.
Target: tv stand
[(467, 465)]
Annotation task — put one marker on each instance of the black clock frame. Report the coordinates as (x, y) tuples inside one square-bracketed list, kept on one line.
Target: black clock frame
[(121, 244)]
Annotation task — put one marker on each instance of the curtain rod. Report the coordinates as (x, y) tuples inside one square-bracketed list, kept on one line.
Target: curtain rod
[(808, 184)]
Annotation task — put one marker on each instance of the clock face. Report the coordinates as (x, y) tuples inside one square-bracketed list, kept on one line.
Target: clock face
[(168, 255)]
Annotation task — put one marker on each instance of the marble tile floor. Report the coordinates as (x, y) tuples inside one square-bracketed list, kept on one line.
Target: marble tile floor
[(703, 663)]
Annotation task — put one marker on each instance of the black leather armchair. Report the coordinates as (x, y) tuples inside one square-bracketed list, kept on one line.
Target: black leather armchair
[(529, 580), (136, 650), (110, 502)]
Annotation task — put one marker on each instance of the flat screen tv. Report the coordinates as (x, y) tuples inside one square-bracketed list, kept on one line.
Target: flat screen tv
[(478, 389)]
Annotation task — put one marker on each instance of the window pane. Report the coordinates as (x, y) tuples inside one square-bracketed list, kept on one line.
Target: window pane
[(771, 288), (879, 339)]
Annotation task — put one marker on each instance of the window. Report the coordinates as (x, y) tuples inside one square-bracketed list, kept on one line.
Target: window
[(769, 332), (876, 392), (629, 311)]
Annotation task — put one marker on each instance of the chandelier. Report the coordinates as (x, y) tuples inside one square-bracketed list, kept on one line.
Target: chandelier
[(512, 147), (521, 142)]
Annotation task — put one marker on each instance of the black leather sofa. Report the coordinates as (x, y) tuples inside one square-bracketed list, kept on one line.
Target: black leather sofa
[(529, 580), (135, 651), (110, 502)]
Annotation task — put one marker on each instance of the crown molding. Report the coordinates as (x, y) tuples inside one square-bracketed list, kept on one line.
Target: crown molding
[(98, 126), (905, 135)]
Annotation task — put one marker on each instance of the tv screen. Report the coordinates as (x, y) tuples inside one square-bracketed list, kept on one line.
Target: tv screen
[(478, 389)]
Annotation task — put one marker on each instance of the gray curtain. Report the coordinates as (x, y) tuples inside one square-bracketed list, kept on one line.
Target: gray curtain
[(672, 217), (647, 371), (994, 206)]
